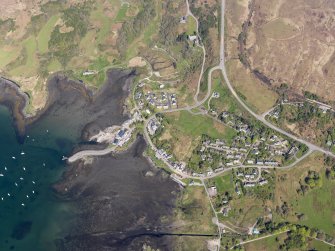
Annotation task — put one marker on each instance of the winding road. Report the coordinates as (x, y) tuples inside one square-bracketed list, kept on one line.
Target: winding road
[(198, 103), (222, 66)]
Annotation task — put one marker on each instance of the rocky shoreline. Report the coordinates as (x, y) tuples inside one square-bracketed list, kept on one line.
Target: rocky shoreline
[(113, 195), (15, 100)]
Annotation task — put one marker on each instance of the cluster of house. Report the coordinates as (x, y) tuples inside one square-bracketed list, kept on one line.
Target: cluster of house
[(323, 107), (122, 137), (250, 154), (272, 146), (159, 100), (275, 114), (248, 176), (233, 155), (117, 135), (235, 122), (250, 179), (193, 38), (253, 184), (212, 192), (163, 155), (153, 125)]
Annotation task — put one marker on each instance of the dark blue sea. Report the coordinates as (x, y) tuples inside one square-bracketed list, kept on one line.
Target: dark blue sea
[(32, 217)]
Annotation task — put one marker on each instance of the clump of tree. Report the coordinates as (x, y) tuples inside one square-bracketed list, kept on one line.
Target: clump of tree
[(283, 210), (65, 45), (330, 173), (313, 179), (310, 95), (132, 28), (168, 34)]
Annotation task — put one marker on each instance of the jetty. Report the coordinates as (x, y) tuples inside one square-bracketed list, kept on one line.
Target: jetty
[(88, 153)]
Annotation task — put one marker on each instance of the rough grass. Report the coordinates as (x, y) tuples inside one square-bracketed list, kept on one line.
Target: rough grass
[(45, 34), (258, 96), (8, 54), (196, 210), (251, 210), (105, 23), (193, 215), (31, 61), (54, 65), (279, 29)]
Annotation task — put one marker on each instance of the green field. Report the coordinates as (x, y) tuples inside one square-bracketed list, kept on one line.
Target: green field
[(191, 25), (121, 15), (266, 244), (225, 102), (197, 125), (274, 242), (316, 204), (224, 183), (45, 34), (319, 207)]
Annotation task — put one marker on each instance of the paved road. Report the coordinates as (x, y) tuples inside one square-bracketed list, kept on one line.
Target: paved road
[(258, 117), (189, 13), (260, 238), (185, 175)]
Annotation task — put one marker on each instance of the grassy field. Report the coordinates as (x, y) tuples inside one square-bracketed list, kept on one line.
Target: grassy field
[(196, 125), (319, 246), (224, 183), (259, 97), (226, 102), (266, 244), (316, 204), (184, 131), (191, 25), (121, 15), (319, 207), (274, 242)]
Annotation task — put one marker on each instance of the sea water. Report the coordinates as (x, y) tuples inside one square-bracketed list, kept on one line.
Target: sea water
[(31, 215)]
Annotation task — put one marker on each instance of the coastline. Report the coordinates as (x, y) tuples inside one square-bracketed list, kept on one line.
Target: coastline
[(16, 101), (84, 185)]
